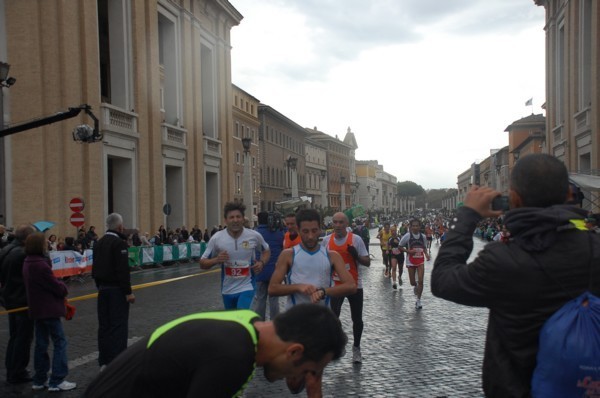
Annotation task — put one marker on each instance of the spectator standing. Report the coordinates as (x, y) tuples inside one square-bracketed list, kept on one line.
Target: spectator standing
[(52, 243), (273, 235), (14, 295), (524, 281), (110, 271), (91, 237), (46, 297), (3, 236)]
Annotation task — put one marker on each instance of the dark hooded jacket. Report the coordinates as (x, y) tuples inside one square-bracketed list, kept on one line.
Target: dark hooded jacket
[(11, 276), (548, 261)]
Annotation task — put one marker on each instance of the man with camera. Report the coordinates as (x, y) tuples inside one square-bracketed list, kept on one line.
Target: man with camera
[(546, 263)]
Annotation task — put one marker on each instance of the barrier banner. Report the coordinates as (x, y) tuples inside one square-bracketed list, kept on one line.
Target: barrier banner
[(183, 250), (167, 253), (148, 255), (196, 249), (69, 262), (134, 256)]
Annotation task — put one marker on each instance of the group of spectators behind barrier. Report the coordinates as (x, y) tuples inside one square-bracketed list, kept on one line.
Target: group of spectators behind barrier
[(71, 263)]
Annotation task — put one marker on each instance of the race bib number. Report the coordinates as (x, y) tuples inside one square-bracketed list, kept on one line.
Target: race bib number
[(417, 257), (237, 270), (396, 251)]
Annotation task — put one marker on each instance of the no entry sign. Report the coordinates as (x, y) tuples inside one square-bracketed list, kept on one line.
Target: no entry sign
[(76, 205), (77, 219)]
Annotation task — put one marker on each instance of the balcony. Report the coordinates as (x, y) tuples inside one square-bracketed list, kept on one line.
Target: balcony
[(212, 147), (117, 120), (173, 136)]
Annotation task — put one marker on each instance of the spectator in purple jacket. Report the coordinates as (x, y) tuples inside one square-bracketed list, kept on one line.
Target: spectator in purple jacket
[(46, 297)]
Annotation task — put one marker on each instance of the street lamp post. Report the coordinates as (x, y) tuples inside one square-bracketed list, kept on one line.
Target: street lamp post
[(343, 193), (324, 203), (246, 142), (292, 163), (5, 81)]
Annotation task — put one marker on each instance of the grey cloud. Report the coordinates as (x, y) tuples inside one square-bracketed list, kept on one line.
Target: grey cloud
[(341, 29)]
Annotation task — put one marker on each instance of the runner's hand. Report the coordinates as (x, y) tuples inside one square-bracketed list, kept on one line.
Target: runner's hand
[(353, 252), (480, 199), (130, 298), (258, 267)]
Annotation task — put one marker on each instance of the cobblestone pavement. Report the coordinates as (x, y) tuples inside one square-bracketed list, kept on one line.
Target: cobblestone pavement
[(433, 352)]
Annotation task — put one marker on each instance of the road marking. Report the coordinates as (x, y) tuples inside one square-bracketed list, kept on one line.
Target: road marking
[(135, 287), (94, 355)]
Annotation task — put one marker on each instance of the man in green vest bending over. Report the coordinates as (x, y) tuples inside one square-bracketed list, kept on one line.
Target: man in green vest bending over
[(214, 354)]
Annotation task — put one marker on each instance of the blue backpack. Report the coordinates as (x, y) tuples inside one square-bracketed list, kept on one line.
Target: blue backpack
[(568, 360)]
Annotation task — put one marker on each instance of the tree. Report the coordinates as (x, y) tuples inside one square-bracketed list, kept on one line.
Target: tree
[(409, 189)]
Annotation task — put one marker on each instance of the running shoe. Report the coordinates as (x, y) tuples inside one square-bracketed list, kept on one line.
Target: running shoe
[(356, 355), (395, 286), (418, 304), (386, 274), (399, 281), (64, 386), (38, 387)]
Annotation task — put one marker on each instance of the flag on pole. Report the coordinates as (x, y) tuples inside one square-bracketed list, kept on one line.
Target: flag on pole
[(529, 102)]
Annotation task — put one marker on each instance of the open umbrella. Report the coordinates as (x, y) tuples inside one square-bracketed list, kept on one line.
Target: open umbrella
[(43, 226)]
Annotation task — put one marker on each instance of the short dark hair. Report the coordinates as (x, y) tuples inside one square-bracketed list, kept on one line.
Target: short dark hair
[(315, 327), (415, 220), (541, 180), (69, 240), (290, 215), (232, 206), (263, 218), (307, 215), (23, 231), (35, 244)]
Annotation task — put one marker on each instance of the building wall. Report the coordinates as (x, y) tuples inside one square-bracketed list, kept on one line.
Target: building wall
[(280, 139), (573, 84), (245, 124), (151, 145)]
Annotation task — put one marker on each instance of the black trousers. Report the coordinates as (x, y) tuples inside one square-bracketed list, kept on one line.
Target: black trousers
[(113, 319), (356, 310), (20, 329)]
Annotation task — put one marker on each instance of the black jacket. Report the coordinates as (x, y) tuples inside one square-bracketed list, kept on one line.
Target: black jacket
[(13, 291), (111, 262), (520, 292)]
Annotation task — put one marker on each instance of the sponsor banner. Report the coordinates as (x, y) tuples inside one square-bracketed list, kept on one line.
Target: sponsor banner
[(69, 262)]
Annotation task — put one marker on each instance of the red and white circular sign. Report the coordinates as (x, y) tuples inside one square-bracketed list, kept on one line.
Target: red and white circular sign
[(76, 205), (77, 219)]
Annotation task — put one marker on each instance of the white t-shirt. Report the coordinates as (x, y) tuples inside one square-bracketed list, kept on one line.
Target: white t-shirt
[(236, 276)]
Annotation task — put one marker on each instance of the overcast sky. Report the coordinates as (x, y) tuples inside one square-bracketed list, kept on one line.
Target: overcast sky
[(427, 86)]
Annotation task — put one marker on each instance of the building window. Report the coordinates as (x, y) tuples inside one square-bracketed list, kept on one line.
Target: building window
[(169, 66), (253, 161), (208, 92), (585, 54), (559, 67), (114, 40), (237, 157), (237, 130)]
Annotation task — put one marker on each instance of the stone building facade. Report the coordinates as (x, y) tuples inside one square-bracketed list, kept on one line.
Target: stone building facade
[(157, 74)]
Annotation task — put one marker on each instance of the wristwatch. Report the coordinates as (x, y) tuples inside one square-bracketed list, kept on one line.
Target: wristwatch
[(324, 293)]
